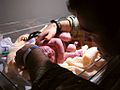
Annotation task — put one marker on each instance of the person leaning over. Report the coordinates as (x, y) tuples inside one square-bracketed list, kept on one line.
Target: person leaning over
[(94, 17)]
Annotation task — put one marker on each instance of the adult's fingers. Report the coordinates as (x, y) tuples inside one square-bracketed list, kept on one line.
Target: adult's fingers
[(48, 32), (45, 35), (50, 35)]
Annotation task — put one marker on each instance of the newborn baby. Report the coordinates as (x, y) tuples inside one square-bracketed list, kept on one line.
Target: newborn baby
[(54, 49)]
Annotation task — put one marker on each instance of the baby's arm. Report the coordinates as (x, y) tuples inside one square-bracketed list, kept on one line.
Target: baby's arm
[(57, 45)]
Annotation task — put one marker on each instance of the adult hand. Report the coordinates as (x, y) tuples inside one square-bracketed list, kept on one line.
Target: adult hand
[(48, 32)]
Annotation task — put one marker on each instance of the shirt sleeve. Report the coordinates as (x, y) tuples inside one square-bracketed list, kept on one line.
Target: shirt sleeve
[(76, 33), (73, 22)]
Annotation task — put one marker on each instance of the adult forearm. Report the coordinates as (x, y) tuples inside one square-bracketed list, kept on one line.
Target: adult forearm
[(65, 26)]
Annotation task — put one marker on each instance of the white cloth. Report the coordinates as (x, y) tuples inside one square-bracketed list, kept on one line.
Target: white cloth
[(5, 43)]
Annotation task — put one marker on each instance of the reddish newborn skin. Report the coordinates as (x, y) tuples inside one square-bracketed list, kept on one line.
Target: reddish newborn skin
[(48, 51), (59, 49), (54, 49), (65, 36)]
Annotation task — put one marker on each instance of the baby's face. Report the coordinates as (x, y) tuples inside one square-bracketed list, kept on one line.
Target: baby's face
[(49, 52)]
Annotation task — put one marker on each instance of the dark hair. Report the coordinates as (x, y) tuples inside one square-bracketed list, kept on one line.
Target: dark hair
[(105, 13), (76, 5)]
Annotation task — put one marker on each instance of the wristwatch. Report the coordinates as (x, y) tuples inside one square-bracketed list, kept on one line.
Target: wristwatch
[(58, 26)]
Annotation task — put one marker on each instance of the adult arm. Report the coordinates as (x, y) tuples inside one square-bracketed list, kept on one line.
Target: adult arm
[(68, 24)]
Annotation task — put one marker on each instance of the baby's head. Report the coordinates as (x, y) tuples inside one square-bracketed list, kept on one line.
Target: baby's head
[(49, 52)]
